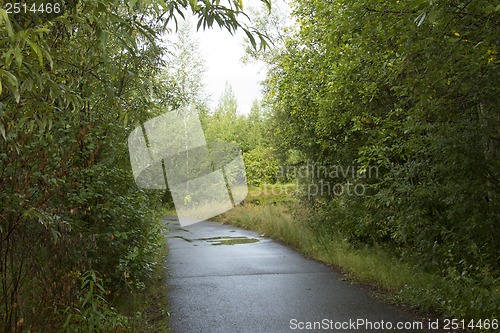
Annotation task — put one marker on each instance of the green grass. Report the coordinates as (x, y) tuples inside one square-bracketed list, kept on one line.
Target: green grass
[(280, 223), (168, 211), (393, 279), (147, 309)]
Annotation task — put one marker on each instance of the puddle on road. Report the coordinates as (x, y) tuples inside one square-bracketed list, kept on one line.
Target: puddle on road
[(221, 240), (228, 240), (235, 241)]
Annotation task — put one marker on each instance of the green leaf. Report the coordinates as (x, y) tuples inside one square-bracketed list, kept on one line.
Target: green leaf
[(125, 119), (2, 131), (18, 57), (11, 82), (433, 16), (103, 37), (41, 30), (251, 38), (37, 50), (132, 3), (4, 17), (193, 4)]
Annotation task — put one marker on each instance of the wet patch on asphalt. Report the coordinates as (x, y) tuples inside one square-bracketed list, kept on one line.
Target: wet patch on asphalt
[(221, 240), (230, 240)]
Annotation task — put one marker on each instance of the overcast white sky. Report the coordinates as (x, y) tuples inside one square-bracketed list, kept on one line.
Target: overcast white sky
[(223, 52)]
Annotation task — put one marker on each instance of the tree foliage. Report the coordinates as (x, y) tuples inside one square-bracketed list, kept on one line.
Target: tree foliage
[(184, 70), (73, 84), (411, 88), (249, 132)]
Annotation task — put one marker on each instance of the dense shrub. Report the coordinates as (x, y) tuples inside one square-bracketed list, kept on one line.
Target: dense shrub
[(411, 88)]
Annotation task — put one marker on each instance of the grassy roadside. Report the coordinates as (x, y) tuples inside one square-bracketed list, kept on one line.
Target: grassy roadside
[(395, 280), (147, 309)]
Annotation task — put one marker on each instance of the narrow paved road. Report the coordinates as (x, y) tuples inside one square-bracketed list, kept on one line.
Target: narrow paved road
[(225, 279)]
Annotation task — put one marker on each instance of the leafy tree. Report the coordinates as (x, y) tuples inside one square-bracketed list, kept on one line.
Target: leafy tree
[(411, 88), (185, 69), (261, 166), (228, 104), (72, 85), (255, 126), (224, 123)]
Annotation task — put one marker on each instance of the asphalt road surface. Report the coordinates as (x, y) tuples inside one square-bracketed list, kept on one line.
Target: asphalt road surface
[(225, 279)]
